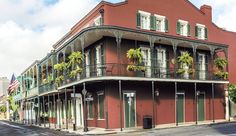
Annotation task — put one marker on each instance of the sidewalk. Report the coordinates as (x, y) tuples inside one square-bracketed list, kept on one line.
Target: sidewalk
[(102, 131)]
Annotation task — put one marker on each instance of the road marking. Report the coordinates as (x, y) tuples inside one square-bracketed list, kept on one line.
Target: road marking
[(4, 123)]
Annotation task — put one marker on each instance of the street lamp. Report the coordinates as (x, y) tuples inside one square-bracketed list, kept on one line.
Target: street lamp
[(84, 92)]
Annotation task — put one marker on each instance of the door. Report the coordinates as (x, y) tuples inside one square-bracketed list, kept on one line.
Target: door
[(59, 113), (98, 60), (201, 107), (87, 62), (202, 66), (161, 57), (79, 111), (129, 109), (180, 107), (147, 61)]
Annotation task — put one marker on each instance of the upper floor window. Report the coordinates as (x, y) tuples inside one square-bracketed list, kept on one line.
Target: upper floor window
[(201, 31), (143, 20), (98, 21), (159, 23), (183, 28)]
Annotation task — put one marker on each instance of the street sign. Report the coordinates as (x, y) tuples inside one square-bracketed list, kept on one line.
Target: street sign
[(89, 99), (76, 95)]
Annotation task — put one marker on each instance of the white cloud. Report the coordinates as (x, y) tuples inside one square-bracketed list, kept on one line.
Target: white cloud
[(29, 28)]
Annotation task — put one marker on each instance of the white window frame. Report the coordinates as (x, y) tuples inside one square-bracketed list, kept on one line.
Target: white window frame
[(145, 14), (87, 63), (162, 21), (202, 66), (184, 29), (147, 61), (97, 21), (101, 93), (202, 35), (162, 63), (99, 60)]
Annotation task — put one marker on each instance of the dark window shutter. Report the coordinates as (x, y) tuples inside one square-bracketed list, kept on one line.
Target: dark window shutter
[(153, 23), (166, 25), (189, 33), (206, 33), (178, 27), (196, 31), (138, 20), (101, 106), (167, 59), (90, 63)]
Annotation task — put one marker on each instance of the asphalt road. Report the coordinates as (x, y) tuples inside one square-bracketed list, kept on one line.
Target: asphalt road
[(14, 129), (228, 129)]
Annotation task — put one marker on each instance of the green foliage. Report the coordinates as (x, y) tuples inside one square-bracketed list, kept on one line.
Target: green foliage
[(136, 68), (232, 92), (60, 67), (59, 80), (13, 106), (75, 59), (3, 108), (185, 60), (135, 55), (220, 63)]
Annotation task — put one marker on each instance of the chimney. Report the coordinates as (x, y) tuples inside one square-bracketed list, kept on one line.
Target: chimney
[(207, 10)]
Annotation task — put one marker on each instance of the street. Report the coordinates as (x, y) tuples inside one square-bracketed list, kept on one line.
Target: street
[(201, 130), (14, 129), (229, 129)]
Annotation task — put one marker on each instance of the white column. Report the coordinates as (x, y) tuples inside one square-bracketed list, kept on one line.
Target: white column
[(227, 105)]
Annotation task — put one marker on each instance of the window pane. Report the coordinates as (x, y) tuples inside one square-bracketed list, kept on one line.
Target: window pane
[(101, 106)]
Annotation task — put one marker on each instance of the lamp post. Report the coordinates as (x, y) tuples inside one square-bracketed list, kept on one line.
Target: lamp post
[(84, 92)]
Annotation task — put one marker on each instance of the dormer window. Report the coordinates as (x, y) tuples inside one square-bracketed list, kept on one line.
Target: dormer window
[(159, 23), (98, 21), (183, 28), (143, 20), (201, 31)]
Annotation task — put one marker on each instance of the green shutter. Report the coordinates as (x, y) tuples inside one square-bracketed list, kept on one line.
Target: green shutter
[(102, 58), (101, 106), (138, 20), (90, 109), (178, 27), (90, 63), (189, 33), (153, 21), (196, 31), (166, 25), (206, 33)]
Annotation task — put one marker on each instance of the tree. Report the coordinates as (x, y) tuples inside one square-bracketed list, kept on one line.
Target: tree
[(232, 92), (3, 108), (13, 106)]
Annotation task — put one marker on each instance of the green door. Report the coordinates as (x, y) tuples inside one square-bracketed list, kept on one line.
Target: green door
[(129, 109), (201, 107), (180, 108)]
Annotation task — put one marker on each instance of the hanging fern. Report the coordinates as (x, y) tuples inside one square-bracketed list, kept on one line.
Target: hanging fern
[(220, 64), (75, 59)]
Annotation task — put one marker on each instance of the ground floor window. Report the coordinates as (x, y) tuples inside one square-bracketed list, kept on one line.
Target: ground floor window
[(101, 105), (90, 109)]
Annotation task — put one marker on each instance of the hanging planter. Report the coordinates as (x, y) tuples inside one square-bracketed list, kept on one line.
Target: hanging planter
[(75, 60), (135, 58), (60, 67), (220, 64), (185, 60)]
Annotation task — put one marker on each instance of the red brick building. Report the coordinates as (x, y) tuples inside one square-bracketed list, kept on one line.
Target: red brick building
[(163, 30)]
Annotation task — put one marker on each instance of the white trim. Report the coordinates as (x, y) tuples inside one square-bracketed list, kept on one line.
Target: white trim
[(140, 79), (144, 12), (200, 25), (98, 110), (125, 92), (159, 16), (183, 21)]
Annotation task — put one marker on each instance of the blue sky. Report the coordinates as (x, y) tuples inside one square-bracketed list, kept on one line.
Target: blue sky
[(29, 28)]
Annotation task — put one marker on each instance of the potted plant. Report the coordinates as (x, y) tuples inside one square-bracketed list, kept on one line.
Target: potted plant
[(220, 64), (60, 67), (185, 60), (135, 58), (75, 59)]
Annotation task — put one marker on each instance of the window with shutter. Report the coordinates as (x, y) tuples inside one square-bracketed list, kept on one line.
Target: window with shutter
[(90, 109), (206, 33), (166, 25), (200, 31), (87, 63), (101, 105), (160, 23), (183, 28), (189, 30), (98, 21), (153, 23), (144, 20)]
